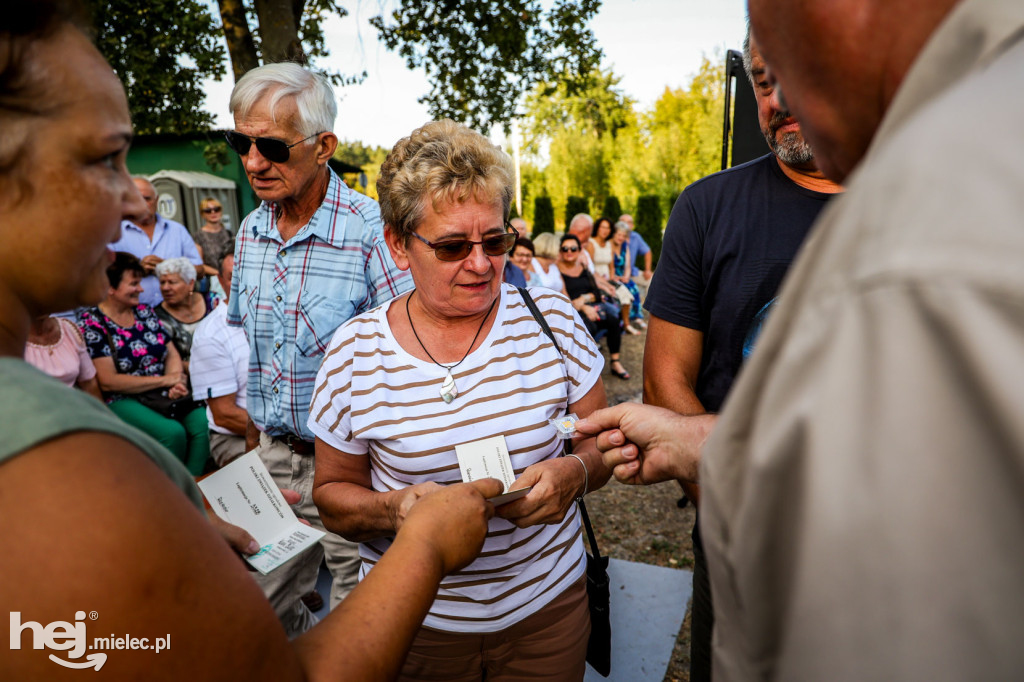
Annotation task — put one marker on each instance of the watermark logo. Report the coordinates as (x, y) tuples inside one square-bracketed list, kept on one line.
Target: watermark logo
[(71, 638)]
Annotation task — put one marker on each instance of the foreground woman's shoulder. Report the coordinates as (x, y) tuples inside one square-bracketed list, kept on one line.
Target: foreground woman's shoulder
[(36, 409)]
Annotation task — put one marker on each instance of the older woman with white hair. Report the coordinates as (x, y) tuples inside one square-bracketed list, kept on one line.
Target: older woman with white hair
[(459, 365), (183, 308)]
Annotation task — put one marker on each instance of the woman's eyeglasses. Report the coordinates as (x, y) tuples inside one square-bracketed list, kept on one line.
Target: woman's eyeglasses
[(212, 209), (272, 150), (457, 249), (570, 249)]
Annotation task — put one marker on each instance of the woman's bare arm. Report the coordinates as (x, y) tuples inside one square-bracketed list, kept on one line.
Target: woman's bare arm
[(112, 381), (100, 528), (348, 506)]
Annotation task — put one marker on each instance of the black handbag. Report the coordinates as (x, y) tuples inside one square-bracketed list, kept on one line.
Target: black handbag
[(158, 401), (599, 646)]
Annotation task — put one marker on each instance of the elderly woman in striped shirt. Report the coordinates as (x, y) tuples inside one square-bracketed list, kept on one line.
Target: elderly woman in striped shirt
[(459, 360)]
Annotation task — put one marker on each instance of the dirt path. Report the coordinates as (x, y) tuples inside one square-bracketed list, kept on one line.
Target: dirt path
[(643, 523)]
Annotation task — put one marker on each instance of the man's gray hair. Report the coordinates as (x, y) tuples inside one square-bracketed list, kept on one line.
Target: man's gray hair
[(581, 216), (746, 54), (144, 179), (182, 267), (314, 97)]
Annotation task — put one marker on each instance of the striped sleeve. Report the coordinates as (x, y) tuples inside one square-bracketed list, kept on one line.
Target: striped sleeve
[(330, 414)]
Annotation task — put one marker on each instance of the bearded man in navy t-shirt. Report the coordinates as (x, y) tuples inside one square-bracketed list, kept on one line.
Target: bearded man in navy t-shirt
[(728, 244)]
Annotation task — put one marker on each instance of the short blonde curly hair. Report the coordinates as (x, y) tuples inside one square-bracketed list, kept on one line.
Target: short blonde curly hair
[(442, 161)]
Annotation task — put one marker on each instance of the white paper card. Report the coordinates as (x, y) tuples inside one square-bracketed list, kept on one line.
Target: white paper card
[(486, 458), (244, 494), (510, 496)]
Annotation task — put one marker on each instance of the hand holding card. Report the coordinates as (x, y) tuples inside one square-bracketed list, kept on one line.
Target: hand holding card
[(244, 494), (489, 458)]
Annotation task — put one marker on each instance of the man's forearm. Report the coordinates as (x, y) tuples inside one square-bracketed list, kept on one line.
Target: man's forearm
[(252, 435), (232, 418)]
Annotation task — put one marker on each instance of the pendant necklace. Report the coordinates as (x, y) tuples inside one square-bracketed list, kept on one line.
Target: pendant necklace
[(448, 390)]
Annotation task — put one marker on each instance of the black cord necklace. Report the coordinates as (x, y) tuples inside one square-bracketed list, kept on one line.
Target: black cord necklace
[(448, 390)]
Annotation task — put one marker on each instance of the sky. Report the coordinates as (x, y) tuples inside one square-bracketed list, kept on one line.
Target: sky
[(651, 44)]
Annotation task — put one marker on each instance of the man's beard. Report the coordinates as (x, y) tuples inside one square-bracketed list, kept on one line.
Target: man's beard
[(792, 148)]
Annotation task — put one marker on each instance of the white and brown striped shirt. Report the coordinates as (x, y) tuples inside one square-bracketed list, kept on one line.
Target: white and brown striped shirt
[(373, 398)]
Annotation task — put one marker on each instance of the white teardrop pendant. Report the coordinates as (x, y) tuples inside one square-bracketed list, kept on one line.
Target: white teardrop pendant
[(448, 390)]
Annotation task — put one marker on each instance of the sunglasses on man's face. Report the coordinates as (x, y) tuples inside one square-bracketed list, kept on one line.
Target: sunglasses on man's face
[(456, 249), (272, 150), (570, 249)]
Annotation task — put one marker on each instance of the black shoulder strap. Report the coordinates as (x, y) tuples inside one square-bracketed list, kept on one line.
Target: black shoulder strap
[(566, 444), (532, 305)]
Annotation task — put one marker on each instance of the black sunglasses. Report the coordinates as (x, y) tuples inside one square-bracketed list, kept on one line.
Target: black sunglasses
[(457, 249), (212, 209), (273, 150), (570, 249)]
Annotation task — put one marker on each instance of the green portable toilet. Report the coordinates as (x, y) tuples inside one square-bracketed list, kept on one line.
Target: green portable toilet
[(178, 194)]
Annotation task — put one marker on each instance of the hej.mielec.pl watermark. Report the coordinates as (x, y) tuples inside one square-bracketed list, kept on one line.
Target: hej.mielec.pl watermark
[(71, 638)]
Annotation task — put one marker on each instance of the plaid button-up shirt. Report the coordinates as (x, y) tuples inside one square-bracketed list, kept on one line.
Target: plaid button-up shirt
[(291, 296)]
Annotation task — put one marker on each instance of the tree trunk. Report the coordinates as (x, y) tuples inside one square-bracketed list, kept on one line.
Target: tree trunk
[(279, 31), (241, 46)]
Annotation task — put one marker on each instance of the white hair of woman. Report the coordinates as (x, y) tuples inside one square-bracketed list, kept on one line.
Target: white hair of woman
[(314, 97), (182, 267)]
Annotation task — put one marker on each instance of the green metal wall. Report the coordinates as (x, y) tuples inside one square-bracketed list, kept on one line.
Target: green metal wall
[(149, 155)]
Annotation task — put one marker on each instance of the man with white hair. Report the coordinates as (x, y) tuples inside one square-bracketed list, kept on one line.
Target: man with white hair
[(152, 239), (310, 257), (582, 225)]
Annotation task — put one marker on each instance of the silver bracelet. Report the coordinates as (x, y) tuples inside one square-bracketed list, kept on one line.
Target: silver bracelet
[(586, 475)]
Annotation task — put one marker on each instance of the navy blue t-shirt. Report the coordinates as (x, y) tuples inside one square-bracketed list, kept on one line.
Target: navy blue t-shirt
[(728, 244)]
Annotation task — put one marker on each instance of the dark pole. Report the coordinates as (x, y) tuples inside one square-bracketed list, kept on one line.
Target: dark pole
[(730, 58)]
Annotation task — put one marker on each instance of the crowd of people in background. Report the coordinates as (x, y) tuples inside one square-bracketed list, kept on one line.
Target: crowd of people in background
[(354, 346), (600, 281)]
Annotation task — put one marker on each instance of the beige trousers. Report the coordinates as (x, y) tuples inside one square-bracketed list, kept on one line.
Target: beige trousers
[(286, 585)]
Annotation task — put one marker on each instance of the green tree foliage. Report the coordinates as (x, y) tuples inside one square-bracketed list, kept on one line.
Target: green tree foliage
[(596, 144), (482, 56), (543, 215), (648, 222), (532, 178), (582, 132), (574, 205), (161, 50), (685, 129), (368, 158), (271, 31), (612, 208)]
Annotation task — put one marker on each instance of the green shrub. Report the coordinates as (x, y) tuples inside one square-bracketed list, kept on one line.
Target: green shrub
[(612, 209), (574, 205), (543, 215), (649, 224)]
